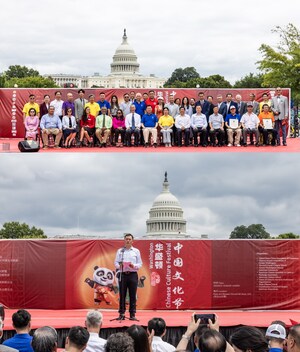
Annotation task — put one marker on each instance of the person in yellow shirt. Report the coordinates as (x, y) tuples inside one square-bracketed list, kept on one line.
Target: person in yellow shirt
[(166, 123), (265, 129), (265, 100), (31, 104), (94, 107)]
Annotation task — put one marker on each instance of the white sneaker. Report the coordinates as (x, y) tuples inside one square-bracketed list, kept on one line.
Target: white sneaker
[(229, 145), (238, 145)]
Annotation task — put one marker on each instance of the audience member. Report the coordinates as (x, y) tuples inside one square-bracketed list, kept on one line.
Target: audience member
[(140, 338), (77, 339), (293, 339), (69, 128), (248, 338), (29, 105), (4, 348), (158, 325), (21, 341), (276, 335), (31, 124), (44, 339), (51, 124), (119, 342), (93, 324)]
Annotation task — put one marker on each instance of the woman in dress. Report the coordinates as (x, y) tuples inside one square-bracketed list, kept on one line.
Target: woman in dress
[(69, 128), (87, 127), (119, 128), (31, 124)]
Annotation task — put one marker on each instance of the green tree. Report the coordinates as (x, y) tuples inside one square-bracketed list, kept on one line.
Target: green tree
[(15, 230), (181, 75), (250, 81), (286, 236), (2, 81), (17, 71), (254, 231), (281, 65), (31, 82)]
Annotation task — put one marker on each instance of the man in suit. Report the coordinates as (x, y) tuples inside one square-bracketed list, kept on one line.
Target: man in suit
[(242, 105), (228, 103), (203, 103), (79, 106), (254, 103), (280, 108)]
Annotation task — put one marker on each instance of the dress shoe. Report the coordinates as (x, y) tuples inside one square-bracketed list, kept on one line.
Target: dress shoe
[(284, 143), (121, 317), (132, 317)]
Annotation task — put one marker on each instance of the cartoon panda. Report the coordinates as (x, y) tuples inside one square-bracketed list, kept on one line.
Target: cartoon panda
[(102, 283)]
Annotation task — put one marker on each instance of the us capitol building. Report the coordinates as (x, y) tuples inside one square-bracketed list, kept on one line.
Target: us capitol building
[(166, 216), (124, 73)]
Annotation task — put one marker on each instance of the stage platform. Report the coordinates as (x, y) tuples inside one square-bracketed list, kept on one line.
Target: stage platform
[(293, 146), (64, 319)]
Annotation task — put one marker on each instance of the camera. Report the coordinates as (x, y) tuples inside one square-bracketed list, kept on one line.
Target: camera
[(204, 318)]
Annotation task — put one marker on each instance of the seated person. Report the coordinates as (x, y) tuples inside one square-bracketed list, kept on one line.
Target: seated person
[(199, 125), (87, 127), (31, 124), (250, 123), (166, 123), (183, 124), (21, 341), (133, 125), (158, 325), (118, 124), (51, 124), (233, 125), (216, 124), (69, 128), (149, 125), (103, 127), (266, 114)]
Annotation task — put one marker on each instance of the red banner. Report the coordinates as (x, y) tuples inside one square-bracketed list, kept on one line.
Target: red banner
[(12, 101), (183, 274)]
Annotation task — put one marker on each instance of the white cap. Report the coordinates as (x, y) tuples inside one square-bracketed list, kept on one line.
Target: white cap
[(277, 331)]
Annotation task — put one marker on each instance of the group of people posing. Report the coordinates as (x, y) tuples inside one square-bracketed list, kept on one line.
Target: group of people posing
[(179, 122)]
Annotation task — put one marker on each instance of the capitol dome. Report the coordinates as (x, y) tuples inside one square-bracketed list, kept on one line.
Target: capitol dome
[(125, 59), (166, 216)]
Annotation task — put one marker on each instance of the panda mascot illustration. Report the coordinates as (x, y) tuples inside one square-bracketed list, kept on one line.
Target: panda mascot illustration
[(102, 283)]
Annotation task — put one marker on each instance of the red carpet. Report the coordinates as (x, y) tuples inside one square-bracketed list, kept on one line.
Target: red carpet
[(66, 318), (11, 146)]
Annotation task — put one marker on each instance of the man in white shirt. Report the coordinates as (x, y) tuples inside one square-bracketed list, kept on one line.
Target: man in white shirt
[(93, 324), (199, 125), (128, 261), (250, 122), (133, 125), (158, 325), (183, 124), (57, 103)]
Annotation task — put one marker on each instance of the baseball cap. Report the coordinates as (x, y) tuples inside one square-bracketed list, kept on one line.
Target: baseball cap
[(249, 104), (277, 331), (232, 107)]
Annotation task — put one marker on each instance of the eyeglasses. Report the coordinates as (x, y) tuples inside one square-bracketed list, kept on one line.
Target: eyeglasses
[(32, 98)]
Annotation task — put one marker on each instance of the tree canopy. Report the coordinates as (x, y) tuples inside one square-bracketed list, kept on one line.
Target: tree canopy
[(15, 230), (288, 235), (182, 75), (17, 71), (250, 81), (254, 231), (281, 64)]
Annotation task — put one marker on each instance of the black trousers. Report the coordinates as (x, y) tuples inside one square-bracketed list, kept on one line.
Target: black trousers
[(128, 281)]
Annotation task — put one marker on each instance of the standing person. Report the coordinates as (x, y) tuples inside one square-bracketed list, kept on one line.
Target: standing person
[(280, 108), (21, 341), (103, 103), (152, 101), (128, 261), (57, 103), (69, 103), (44, 107), (187, 107), (79, 108), (125, 105), (114, 105), (29, 105)]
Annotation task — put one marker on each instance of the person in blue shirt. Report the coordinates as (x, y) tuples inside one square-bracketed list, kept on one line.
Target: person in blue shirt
[(149, 125), (104, 103), (21, 341)]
